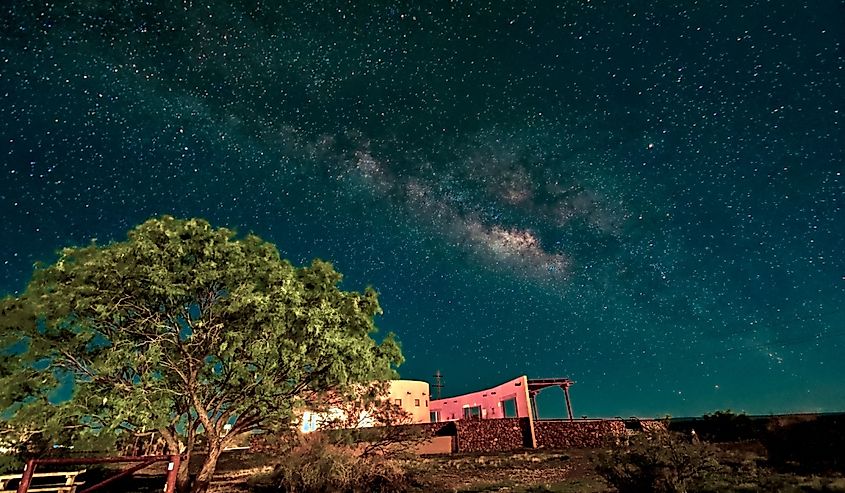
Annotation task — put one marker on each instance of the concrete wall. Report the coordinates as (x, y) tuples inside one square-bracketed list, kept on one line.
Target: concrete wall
[(435, 445), (490, 400)]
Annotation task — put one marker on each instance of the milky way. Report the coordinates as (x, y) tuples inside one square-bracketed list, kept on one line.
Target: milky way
[(646, 197)]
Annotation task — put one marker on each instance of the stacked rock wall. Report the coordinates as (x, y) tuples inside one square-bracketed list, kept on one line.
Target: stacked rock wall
[(444, 428), (578, 434), (270, 443), (490, 435), (504, 434), (653, 426)]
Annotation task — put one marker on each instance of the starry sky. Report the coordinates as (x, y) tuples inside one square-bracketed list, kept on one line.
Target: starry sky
[(644, 196)]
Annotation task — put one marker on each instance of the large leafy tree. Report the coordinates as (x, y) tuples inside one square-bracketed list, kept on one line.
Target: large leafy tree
[(183, 329)]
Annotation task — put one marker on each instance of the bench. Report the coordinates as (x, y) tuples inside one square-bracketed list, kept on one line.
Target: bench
[(69, 486)]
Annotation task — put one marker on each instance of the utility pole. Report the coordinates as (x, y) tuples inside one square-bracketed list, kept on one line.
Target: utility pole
[(438, 382)]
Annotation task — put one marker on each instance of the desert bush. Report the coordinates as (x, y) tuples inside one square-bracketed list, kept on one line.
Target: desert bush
[(18, 447), (318, 465), (727, 426), (660, 463), (10, 464), (809, 445)]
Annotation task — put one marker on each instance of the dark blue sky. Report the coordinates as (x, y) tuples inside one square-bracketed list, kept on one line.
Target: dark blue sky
[(645, 197)]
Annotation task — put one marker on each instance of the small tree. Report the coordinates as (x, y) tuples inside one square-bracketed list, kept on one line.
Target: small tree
[(360, 446), (370, 421), (660, 462), (727, 426), (184, 329)]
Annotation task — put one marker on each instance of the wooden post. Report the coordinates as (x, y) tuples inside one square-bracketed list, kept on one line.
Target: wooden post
[(568, 402), (172, 472), (26, 479), (527, 396), (534, 410)]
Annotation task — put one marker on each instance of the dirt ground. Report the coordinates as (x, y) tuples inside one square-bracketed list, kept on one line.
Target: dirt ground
[(530, 471), (522, 471), (535, 471)]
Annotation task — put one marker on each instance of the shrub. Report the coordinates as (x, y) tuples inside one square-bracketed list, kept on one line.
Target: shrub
[(813, 444), (318, 465), (727, 426), (10, 464), (17, 447), (660, 463)]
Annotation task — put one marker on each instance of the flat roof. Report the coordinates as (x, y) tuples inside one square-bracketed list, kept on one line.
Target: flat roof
[(542, 383)]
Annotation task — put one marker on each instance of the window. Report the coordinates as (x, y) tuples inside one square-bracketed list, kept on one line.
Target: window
[(417, 402), (472, 412), (398, 402), (434, 416), (426, 403), (509, 408)]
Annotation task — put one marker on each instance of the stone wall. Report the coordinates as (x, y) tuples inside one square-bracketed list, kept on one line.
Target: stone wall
[(504, 434), (444, 428), (491, 435), (577, 434), (270, 443), (653, 426)]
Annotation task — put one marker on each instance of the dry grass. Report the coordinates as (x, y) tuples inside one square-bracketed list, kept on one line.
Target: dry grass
[(532, 471), (520, 472), (529, 471)]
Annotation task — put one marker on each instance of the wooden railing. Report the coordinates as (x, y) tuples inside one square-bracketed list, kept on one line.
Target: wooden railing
[(26, 484), (69, 485)]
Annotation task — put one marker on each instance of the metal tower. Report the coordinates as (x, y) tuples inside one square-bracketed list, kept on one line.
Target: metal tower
[(438, 382)]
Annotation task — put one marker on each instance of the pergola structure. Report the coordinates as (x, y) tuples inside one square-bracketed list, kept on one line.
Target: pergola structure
[(535, 385)]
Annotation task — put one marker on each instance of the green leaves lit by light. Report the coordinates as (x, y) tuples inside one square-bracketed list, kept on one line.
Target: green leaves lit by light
[(184, 328)]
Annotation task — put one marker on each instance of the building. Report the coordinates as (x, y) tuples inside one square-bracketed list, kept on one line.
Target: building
[(513, 399), (411, 396)]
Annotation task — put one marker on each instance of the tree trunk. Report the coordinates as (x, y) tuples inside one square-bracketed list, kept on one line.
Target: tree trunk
[(174, 446), (183, 477), (208, 467)]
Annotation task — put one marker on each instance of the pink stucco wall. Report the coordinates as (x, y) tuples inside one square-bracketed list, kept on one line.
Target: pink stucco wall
[(490, 401)]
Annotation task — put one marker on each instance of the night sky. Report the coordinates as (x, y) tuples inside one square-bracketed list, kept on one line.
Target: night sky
[(646, 197)]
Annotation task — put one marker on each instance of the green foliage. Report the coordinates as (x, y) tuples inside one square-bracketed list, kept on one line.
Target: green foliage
[(182, 328), (317, 465), (347, 457), (10, 464), (370, 420), (661, 463)]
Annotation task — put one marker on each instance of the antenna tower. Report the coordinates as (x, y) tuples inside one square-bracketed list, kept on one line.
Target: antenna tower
[(438, 382)]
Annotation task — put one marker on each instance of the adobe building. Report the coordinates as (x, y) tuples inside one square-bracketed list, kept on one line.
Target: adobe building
[(412, 396), (513, 399)]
